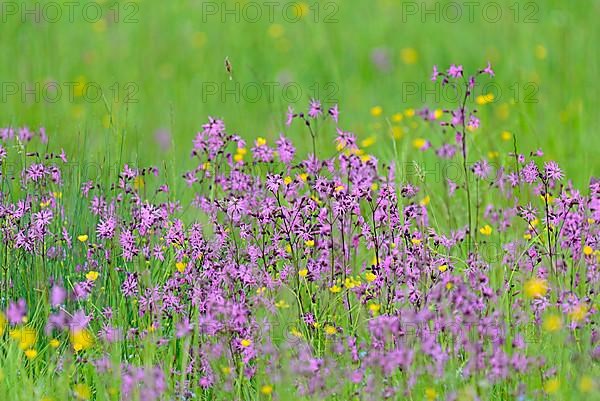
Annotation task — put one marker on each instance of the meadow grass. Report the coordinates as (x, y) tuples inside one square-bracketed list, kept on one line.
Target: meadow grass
[(169, 60)]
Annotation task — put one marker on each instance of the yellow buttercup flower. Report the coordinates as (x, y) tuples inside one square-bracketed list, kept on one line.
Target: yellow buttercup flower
[(370, 141), (579, 312), (506, 136), (425, 201), (31, 354), (82, 391), (370, 277), (536, 287), (430, 394), (586, 384), (588, 250), (309, 243), (303, 273), (2, 323), (81, 339), (26, 337), (374, 308), (484, 99), (287, 180), (335, 289), (552, 386), (552, 323), (82, 238), (376, 111), (419, 143), (54, 343), (267, 389), (180, 266), (261, 141), (409, 55), (330, 330), (281, 304), (92, 275), (443, 268), (486, 230), (246, 343)]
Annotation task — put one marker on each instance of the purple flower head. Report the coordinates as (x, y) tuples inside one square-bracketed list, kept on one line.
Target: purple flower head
[(16, 311), (315, 109), (488, 70), (455, 71)]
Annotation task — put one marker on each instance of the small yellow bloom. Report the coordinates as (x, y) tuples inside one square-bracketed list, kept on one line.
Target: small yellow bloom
[(552, 386), (261, 290), (54, 343), (376, 111), (31, 354), (281, 304), (82, 391), (449, 286), (397, 117), (296, 333), (226, 370), (261, 141), (409, 112), (579, 312), (2, 323), (552, 323), (374, 186), (536, 287), (484, 99), (586, 384), (303, 177), (267, 389), (335, 289), (309, 243), (438, 113), (425, 201), (506, 136), (180, 266), (303, 273), (415, 241), (82, 237), (540, 52), (430, 394), (492, 154), (370, 277), (486, 230), (81, 339), (339, 188), (374, 308), (92, 275), (527, 236), (276, 31), (238, 158), (330, 330), (409, 55), (241, 151), (370, 141), (288, 248), (138, 182), (588, 250), (246, 343), (287, 180), (443, 268), (397, 132), (419, 143), (26, 337)]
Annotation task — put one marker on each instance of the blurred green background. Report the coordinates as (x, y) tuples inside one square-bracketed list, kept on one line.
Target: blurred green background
[(168, 58)]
